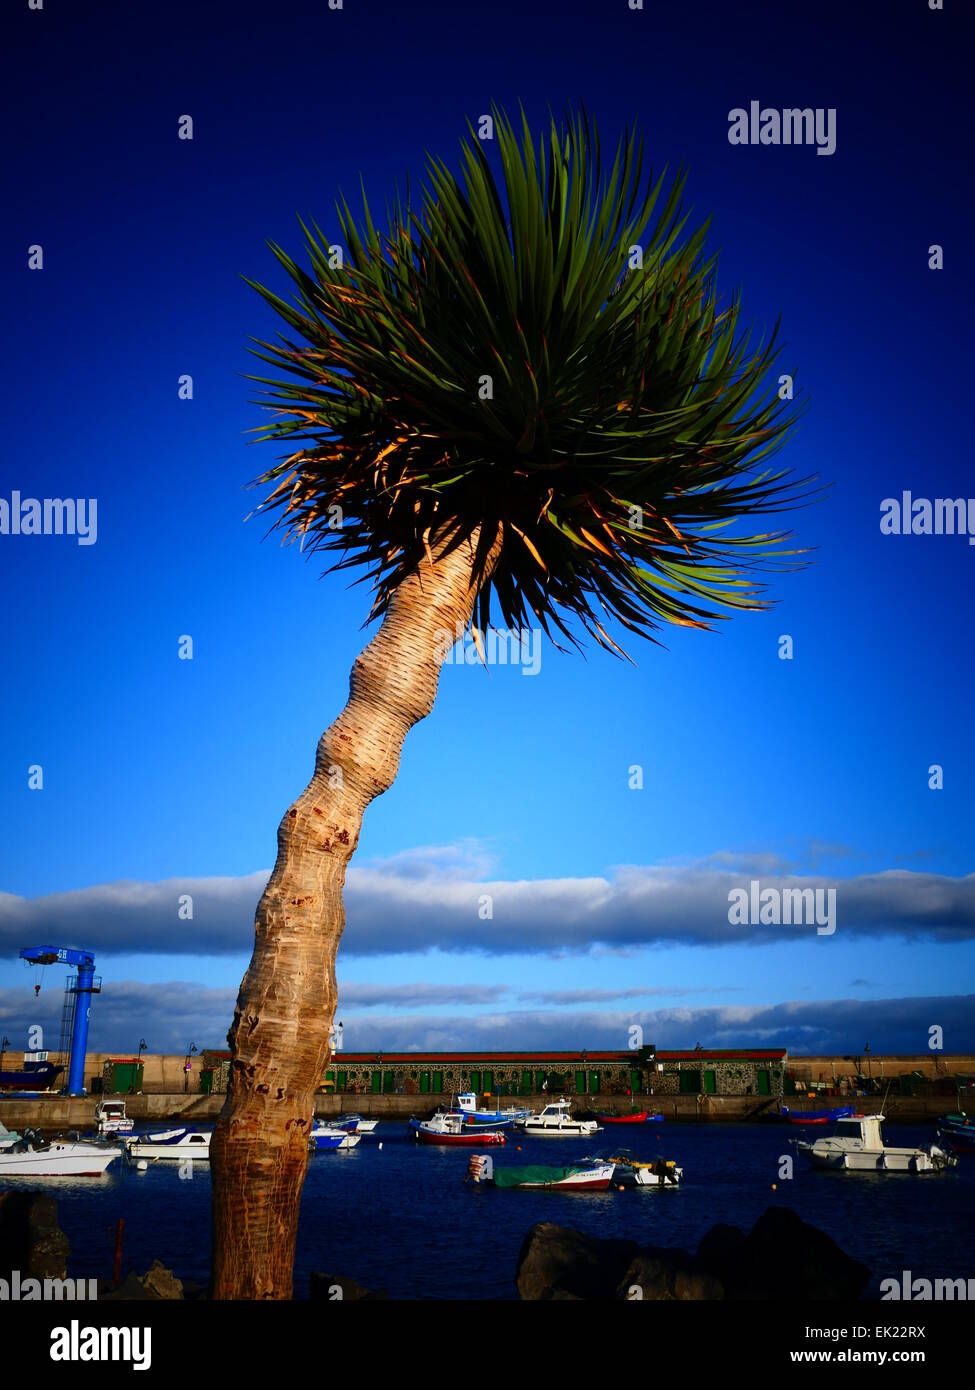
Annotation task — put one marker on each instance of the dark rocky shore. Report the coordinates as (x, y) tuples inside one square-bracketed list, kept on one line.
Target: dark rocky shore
[(782, 1257)]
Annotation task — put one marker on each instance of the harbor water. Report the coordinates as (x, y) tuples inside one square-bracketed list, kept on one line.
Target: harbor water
[(401, 1218)]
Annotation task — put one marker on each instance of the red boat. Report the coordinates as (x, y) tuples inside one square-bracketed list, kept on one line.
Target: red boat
[(816, 1117), (638, 1119), (449, 1128)]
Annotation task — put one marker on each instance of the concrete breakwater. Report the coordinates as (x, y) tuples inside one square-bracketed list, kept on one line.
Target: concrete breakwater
[(53, 1114)]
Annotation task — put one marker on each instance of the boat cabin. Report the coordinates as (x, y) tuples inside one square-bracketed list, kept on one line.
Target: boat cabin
[(863, 1128)]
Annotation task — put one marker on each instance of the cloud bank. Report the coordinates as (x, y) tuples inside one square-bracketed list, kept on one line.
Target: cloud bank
[(445, 898)]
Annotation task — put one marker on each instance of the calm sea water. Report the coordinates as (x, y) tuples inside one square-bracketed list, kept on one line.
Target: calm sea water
[(400, 1218)]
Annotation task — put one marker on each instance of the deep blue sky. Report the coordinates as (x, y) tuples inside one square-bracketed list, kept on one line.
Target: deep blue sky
[(157, 769)]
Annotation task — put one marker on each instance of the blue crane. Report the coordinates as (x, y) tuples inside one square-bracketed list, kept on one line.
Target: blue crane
[(83, 987)]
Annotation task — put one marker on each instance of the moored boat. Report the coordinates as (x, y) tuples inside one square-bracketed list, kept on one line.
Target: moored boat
[(175, 1144), (816, 1117), (37, 1074), (353, 1124), (639, 1117), (32, 1157), (110, 1117), (556, 1122), (447, 1127), (490, 1119), (591, 1176), (327, 1136), (858, 1146), (659, 1172)]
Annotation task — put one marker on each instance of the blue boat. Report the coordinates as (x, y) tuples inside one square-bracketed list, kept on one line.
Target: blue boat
[(816, 1117), (324, 1136), (486, 1119)]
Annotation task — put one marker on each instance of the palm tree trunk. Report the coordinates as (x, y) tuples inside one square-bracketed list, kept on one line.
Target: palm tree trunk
[(280, 1035)]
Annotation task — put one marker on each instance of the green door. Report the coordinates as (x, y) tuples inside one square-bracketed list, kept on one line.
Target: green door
[(580, 1082), (424, 1083), (764, 1083), (488, 1082), (389, 1082), (594, 1083), (341, 1080), (377, 1082), (437, 1083), (710, 1083), (475, 1081), (526, 1083), (690, 1083), (636, 1082)]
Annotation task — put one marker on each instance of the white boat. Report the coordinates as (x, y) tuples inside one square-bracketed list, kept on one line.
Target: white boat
[(556, 1122), (32, 1157), (659, 1172), (353, 1124), (110, 1117), (170, 1143), (859, 1147)]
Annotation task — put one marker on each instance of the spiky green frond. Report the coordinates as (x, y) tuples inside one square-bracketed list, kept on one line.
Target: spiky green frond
[(497, 358)]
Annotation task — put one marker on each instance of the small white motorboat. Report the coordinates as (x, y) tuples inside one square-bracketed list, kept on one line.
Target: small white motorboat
[(556, 1122), (110, 1117), (170, 1144), (33, 1157), (858, 1146)]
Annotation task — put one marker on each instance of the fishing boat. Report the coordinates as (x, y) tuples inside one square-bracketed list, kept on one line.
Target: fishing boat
[(37, 1074), (816, 1117), (447, 1127), (467, 1105), (858, 1146), (354, 1124), (110, 1117), (327, 1136), (659, 1172), (32, 1157), (591, 1176), (556, 1122), (175, 1144)]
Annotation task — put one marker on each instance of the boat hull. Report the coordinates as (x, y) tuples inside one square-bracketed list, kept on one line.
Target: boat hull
[(58, 1161), (639, 1119), (470, 1140), (594, 1178)]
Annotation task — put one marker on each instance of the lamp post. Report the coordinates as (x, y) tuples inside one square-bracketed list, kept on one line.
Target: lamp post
[(186, 1066)]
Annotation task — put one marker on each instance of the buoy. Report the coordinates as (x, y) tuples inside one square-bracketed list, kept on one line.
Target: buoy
[(775, 1187), (619, 1187), (380, 1143), (142, 1165)]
